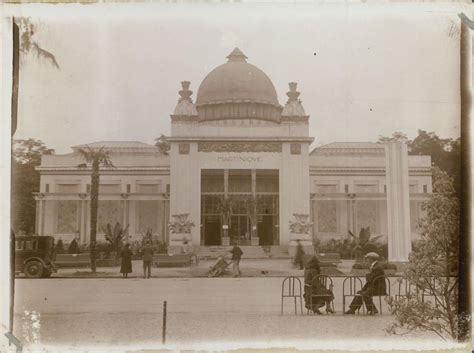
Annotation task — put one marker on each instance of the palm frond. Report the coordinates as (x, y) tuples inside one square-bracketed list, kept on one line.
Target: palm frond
[(44, 54)]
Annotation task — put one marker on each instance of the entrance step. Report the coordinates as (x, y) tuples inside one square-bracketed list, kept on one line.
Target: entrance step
[(279, 252)]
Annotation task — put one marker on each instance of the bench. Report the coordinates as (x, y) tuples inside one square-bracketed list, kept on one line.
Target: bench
[(325, 260), (177, 260), (73, 260)]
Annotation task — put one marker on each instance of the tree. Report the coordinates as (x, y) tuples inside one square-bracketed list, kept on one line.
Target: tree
[(396, 136), (445, 152), (25, 181), (97, 157), (163, 144), (29, 45), (433, 267)]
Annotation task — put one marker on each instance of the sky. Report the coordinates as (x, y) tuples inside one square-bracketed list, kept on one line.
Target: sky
[(362, 71)]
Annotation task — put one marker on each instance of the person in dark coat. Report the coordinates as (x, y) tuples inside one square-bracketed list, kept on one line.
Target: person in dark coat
[(126, 266), (73, 247), (147, 259), (299, 256), (370, 288), (236, 256), (316, 288)]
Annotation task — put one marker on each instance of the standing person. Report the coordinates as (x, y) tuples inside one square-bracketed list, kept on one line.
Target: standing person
[(73, 247), (126, 266), (370, 288), (299, 256), (236, 256), (147, 259)]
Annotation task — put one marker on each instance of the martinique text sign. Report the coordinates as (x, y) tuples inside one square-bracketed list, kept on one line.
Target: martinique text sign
[(243, 159)]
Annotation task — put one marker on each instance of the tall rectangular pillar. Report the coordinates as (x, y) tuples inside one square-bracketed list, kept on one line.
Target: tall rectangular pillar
[(398, 201)]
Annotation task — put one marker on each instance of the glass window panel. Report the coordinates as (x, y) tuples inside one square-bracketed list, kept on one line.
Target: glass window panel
[(19, 245), (267, 181), (413, 188), (148, 216), (327, 216), (240, 180), (67, 217), (266, 204), (109, 212), (210, 204), (366, 212), (212, 180), (30, 245)]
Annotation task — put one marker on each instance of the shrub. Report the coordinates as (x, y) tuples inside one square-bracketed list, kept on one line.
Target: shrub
[(59, 247), (366, 266)]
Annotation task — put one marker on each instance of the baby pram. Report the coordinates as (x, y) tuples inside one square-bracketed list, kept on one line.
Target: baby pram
[(218, 269)]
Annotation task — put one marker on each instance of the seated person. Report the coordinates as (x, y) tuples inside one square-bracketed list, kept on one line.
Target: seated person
[(312, 270), (370, 288)]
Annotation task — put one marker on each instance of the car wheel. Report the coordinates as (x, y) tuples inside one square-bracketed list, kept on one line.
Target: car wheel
[(34, 269)]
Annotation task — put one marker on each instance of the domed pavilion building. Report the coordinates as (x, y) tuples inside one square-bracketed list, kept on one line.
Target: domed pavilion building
[(240, 171)]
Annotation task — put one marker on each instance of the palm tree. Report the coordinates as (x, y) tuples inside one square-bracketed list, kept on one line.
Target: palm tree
[(97, 157)]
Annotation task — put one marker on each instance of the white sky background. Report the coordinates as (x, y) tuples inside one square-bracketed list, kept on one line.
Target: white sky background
[(377, 69)]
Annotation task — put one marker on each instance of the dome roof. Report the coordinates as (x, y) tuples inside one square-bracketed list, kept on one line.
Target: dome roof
[(236, 81)]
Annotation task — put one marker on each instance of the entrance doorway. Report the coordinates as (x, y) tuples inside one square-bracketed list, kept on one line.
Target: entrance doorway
[(253, 196), (265, 230), (212, 230)]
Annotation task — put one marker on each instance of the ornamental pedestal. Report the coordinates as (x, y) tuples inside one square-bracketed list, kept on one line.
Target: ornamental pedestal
[(180, 233), (176, 243), (305, 240)]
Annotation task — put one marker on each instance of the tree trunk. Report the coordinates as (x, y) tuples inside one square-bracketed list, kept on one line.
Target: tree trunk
[(94, 211)]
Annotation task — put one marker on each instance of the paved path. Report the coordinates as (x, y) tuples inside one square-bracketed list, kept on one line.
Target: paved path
[(201, 311)]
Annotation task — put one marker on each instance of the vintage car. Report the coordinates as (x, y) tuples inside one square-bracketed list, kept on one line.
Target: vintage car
[(34, 256)]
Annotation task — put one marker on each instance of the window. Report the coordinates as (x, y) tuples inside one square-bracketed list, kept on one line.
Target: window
[(212, 180), (346, 188), (240, 180), (67, 221), (129, 188), (168, 188), (20, 245), (30, 245), (47, 188), (425, 189), (327, 216), (267, 180), (110, 211), (88, 188)]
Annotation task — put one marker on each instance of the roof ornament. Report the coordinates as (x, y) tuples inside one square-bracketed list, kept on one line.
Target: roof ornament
[(185, 106), (237, 56), (293, 106)]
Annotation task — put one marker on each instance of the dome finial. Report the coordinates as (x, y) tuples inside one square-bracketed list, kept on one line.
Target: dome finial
[(185, 106), (236, 55)]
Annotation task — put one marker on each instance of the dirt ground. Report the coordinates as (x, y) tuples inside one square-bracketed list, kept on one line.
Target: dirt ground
[(203, 313)]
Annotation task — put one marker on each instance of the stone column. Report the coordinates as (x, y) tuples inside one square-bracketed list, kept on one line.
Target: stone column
[(398, 202)]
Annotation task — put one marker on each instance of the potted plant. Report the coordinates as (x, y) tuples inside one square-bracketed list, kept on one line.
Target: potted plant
[(252, 215), (225, 209)]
